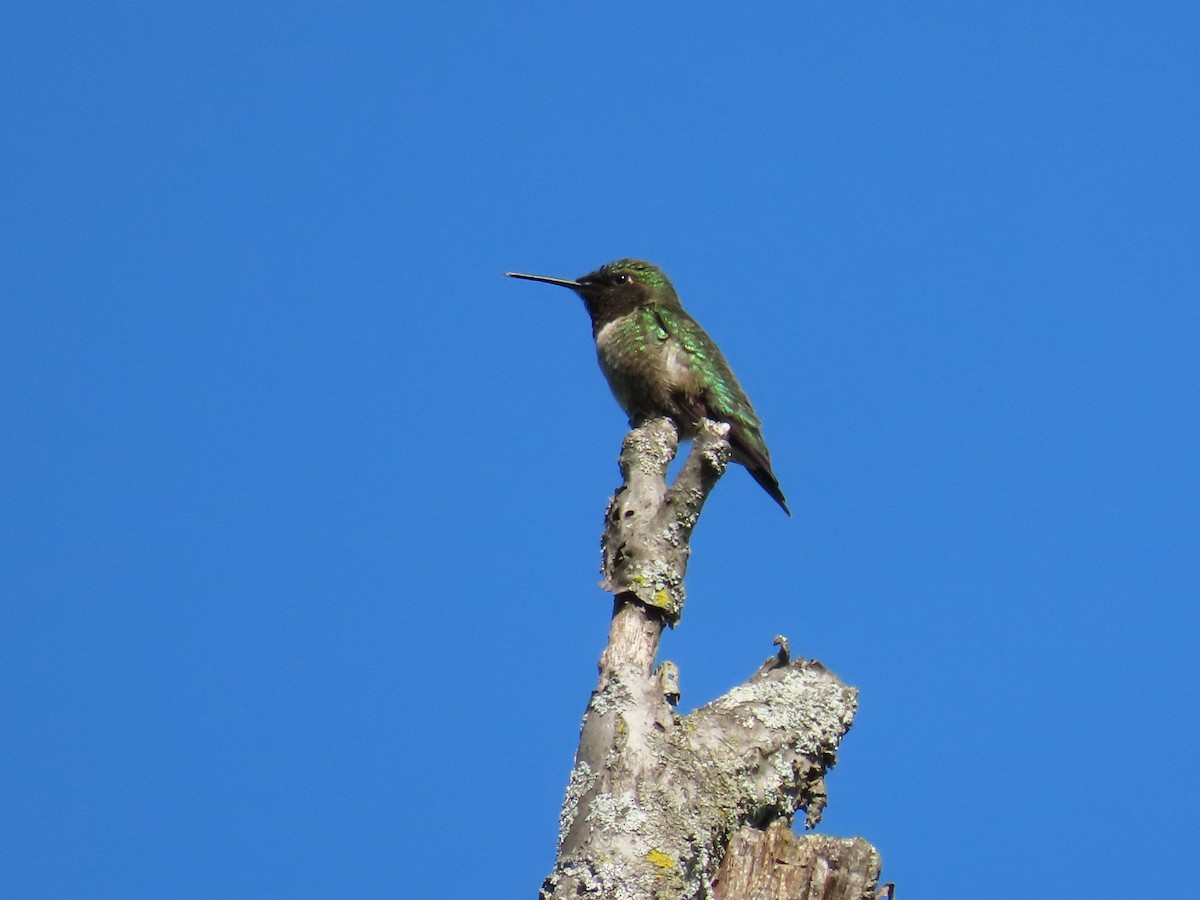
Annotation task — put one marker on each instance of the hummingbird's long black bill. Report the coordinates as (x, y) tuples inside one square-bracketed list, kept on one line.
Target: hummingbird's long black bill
[(561, 282)]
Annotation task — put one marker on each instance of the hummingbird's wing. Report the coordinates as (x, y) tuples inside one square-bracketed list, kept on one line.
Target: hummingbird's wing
[(712, 391), (710, 388)]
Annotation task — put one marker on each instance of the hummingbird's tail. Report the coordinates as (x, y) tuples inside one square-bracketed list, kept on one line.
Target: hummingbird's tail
[(770, 484), (757, 463)]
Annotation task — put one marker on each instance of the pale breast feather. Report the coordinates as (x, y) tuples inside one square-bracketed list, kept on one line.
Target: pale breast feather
[(606, 333)]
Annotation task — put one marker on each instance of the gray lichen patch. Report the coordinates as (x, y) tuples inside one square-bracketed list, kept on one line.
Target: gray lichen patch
[(615, 698), (802, 702), (581, 782), (617, 813), (649, 448)]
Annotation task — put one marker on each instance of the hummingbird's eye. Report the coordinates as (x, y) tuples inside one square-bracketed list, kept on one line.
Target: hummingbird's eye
[(624, 278)]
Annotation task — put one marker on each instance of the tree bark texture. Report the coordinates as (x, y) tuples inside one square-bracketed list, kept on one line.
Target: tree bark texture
[(655, 798), (775, 863)]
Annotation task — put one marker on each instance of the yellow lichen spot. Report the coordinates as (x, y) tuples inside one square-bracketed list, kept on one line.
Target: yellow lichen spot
[(660, 859), (662, 598), (639, 578)]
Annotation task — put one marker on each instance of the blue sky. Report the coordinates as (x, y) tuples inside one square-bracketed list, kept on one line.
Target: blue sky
[(301, 498)]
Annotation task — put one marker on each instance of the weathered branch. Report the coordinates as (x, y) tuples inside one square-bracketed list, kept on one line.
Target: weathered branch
[(777, 863), (648, 525), (655, 798)]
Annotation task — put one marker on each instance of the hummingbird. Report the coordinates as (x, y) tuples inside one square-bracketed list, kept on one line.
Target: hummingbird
[(658, 361)]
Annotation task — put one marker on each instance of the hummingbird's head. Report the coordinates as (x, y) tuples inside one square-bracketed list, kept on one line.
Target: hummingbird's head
[(628, 283), (616, 288)]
